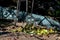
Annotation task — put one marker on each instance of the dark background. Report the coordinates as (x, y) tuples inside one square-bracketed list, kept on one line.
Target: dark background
[(37, 6)]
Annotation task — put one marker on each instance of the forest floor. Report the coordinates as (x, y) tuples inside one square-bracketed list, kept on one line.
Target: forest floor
[(24, 36)]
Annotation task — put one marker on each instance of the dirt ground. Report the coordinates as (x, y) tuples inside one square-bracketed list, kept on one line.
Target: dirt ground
[(23, 36)]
